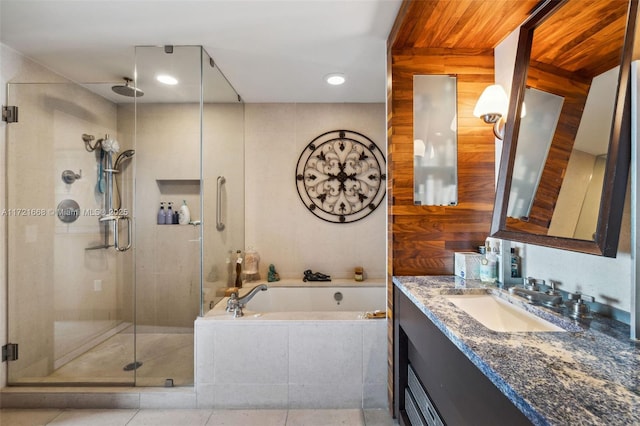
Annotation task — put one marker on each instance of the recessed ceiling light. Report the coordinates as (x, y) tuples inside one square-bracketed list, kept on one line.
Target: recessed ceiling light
[(335, 79), (167, 79)]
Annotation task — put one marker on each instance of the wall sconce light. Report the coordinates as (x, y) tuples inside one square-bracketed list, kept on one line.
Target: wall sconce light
[(492, 108)]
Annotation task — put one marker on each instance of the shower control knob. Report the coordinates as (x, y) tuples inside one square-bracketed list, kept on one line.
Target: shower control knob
[(69, 176)]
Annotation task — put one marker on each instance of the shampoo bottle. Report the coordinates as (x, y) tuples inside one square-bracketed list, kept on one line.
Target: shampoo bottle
[(161, 215), (169, 214), (515, 264), (185, 214)]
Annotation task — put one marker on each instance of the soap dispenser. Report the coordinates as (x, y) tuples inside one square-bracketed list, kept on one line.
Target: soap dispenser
[(185, 214)]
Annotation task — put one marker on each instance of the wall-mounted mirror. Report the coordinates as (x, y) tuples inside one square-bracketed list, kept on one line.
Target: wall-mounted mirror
[(564, 167), (435, 153)]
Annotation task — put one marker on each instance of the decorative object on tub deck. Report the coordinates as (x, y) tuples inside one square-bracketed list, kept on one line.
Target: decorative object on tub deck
[(239, 259), (315, 276), (230, 290), (375, 314), (272, 275), (251, 261), (340, 176), (359, 273)]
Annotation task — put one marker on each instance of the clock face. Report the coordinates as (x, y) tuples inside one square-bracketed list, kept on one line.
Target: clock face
[(340, 176)]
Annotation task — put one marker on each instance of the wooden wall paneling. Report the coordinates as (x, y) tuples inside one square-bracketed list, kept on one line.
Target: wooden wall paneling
[(441, 37), (424, 238)]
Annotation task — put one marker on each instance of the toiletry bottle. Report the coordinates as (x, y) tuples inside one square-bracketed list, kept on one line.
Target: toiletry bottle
[(238, 269), (169, 214), (515, 264), (185, 215), (161, 215), (488, 265), (176, 217), (495, 257)]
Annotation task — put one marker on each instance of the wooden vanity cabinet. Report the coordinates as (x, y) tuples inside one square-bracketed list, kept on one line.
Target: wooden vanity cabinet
[(459, 391)]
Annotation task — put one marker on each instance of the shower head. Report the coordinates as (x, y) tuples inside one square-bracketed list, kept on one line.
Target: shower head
[(125, 156), (128, 90)]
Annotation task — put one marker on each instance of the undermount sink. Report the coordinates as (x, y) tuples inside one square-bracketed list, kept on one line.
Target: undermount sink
[(499, 315)]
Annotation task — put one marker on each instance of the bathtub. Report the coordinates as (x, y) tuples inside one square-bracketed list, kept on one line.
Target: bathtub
[(298, 345), (292, 300)]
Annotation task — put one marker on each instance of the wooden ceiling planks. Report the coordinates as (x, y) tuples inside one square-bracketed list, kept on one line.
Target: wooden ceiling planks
[(460, 24), (584, 37)]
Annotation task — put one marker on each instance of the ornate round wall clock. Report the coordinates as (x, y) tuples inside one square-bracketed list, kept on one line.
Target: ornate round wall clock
[(340, 176)]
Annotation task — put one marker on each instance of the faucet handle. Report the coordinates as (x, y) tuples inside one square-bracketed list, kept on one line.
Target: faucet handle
[(531, 283), (553, 291), (580, 297), (578, 309), (232, 303)]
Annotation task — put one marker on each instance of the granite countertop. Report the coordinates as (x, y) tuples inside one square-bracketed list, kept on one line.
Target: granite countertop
[(588, 375)]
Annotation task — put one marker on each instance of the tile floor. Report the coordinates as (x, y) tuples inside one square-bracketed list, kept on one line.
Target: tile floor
[(194, 417)]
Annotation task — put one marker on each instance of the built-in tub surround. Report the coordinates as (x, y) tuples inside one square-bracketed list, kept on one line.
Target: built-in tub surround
[(318, 359), (580, 376)]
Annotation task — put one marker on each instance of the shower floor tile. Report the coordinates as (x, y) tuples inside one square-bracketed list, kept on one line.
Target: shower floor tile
[(163, 356)]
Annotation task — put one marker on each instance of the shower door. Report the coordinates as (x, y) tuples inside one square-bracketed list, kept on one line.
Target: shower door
[(222, 182), (70, 293), (188, 135)]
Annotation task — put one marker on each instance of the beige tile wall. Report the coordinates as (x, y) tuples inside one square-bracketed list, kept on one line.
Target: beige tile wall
[(278, 225), (168, 169)]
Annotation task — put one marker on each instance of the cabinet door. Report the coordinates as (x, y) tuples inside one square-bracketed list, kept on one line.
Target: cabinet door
[(460, 392)]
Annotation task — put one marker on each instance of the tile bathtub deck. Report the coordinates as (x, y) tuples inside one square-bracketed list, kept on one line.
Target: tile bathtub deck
[(195, 417)]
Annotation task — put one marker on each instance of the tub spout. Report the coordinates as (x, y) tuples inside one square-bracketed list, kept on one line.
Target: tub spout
[(235, 303)]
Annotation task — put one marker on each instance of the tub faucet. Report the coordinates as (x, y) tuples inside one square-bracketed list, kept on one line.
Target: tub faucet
[(235, 303)]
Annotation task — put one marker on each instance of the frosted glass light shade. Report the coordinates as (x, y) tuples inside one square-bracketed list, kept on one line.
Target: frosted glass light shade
[(493, 100)]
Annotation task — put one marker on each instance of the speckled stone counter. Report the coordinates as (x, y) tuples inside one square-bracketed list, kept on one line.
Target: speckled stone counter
[(588, 375)]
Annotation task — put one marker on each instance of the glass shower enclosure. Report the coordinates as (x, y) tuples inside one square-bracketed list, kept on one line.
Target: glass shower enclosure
[(99, 292)]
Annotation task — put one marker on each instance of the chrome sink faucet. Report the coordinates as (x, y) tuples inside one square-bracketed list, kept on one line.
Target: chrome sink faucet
[(531, 291), (235, 303)]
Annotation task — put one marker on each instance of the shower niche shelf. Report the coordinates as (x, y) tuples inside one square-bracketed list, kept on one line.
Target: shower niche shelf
[(179, 186)]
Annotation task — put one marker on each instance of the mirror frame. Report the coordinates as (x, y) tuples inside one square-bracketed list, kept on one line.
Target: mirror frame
[(618, 156)]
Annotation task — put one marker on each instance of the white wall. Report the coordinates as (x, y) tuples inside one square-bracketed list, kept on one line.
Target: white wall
[(278, 225), (606, 279)]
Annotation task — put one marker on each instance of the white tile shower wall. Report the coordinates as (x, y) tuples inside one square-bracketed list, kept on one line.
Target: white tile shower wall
[(277, 223), (291, 364), (606, 279)]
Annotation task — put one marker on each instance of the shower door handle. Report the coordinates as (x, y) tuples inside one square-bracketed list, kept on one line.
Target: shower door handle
[(219, 224), (116, 233)]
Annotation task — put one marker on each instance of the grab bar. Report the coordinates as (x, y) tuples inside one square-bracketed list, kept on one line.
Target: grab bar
[(219, 224)]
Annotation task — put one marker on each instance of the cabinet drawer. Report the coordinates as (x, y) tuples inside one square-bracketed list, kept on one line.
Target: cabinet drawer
[(422, 400)]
